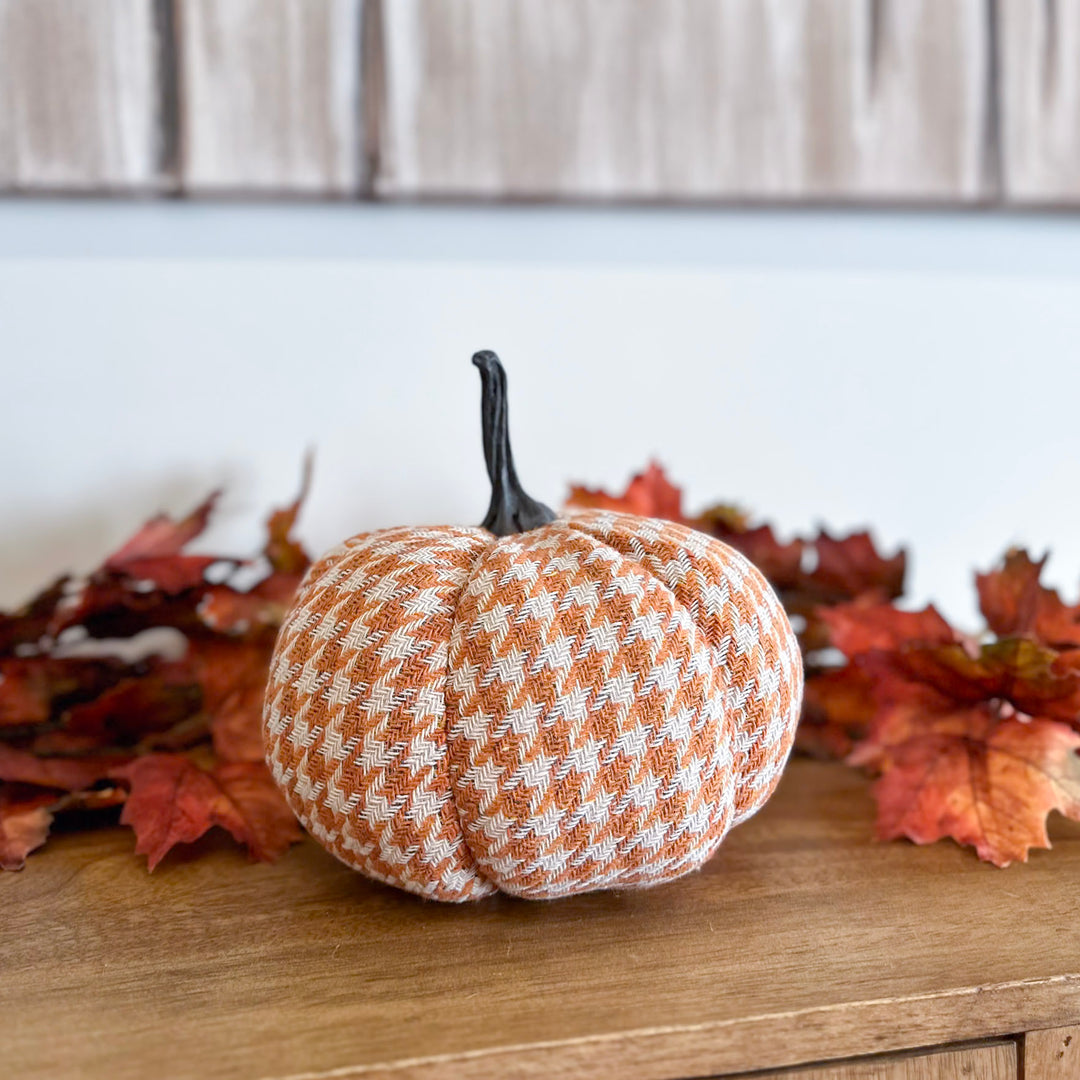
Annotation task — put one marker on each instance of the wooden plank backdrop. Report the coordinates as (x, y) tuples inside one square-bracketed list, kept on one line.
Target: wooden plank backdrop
[(79, 95), (744, 99), (1040, 100), (892, 101), (269, 96)]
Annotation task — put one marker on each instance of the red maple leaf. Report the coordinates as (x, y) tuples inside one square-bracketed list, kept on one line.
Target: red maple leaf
[(649, 494), (968, 774), (973, 742), (64, 773), (78, 731), (1015, 603), (174, 801), (851, 566), (232, 675)]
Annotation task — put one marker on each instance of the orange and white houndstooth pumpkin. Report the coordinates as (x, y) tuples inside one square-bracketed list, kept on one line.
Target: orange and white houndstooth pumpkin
[(541, 705)]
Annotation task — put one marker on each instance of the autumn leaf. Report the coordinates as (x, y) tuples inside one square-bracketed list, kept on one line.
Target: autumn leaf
[(34, 689), (838, 706), (25, 818), (232, 676), (1012, 673), (67, 774), (981, 780), (174, 801), (1014, 603), (248, 614), (851, 566), (27, 625), (649, 494), (285, 554), (152, 699), (858, 628), (153, 554), (78, 731)]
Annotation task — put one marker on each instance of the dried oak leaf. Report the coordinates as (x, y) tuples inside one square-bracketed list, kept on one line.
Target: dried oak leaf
[(1015, 603), (172, 801), (25, 818)]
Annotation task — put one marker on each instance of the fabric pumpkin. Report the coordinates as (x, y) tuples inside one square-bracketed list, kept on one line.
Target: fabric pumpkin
[(542, 706)]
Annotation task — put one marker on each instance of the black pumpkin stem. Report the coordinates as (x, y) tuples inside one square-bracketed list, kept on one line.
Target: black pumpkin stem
[(511, 510)]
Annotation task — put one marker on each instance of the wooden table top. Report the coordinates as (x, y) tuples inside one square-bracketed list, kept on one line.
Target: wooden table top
[(801, 940)]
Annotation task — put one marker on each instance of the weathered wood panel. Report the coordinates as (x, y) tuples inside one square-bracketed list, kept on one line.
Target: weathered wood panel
[(79, 95), (1040, 100), (756, 99), (1053, 1054), (995, 1062), (270, 95)]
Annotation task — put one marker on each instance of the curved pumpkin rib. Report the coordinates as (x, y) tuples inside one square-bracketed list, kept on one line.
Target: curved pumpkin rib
[(586, 735), (357, 729), (740, 615)]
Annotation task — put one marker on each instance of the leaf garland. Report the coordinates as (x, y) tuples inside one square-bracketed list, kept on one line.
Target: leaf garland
[(970, 738), (175, 742)]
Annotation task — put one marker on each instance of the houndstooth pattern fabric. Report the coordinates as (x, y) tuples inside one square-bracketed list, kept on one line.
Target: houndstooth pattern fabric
[(591, 704)]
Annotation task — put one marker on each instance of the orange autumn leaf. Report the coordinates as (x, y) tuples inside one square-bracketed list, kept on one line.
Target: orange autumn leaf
[(174, 801), (649, 494), (25, 818), (284, 553), (981, 780)]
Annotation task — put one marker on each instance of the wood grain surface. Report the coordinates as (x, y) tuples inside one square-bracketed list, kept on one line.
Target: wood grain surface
[(269, 96), (992, 1062), (1040, 100), (1052, 1055), (79, 95), (802, 940), (744, 99)]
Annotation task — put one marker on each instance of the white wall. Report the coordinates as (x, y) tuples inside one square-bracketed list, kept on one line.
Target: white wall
[(915, 372)]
